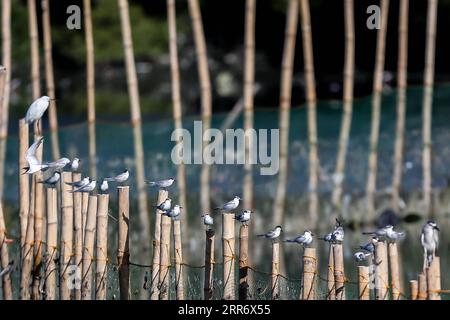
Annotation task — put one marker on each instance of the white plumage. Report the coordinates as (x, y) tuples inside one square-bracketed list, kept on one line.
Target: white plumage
[(37, 109)]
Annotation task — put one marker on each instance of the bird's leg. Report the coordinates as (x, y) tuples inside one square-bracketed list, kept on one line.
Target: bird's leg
[(38, 126), (424, 258)]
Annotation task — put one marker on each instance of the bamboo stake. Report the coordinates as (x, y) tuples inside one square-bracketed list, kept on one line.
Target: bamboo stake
[(4, 257), (101, 252), (88, 249), (331, 286), (243, 262), (37, 248), (422, 295), (164, 264), (349, 70), (285, 105), (275, 270), (394, 270), (401, 102), (52, 243), (66, 236), (339, 274), (84, 212), (24, 186), (206, 95), (34, 45), (428, 102), (123, 249), (414, 289), (363, 283), (77, 230), (179, 278), (228, 256), (309, 274), (209, 264), (49, 76), (376, 110), (381, 272), (433, 275), (154, 294)]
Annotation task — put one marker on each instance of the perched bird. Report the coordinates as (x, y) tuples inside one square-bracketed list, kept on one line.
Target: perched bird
[(392, 235), (272, 234), (430, 241), (369, 246), (173, 213), (207, 220), (244, 216), (304, 239), (33, 163), (380, 233), (361, 256), (52, 180), (57, 165), (327, 238), (162, 184), (104, 186), (37, 109), (7, 269), (387, 233), (78, 184), (165, 205), (86, 188), (337, 236), (120, 178), (75, 164), (230, 205)]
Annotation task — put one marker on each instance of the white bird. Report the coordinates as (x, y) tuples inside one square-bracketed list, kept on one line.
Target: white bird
[(430, 241), (230, 205), (165, 205), (327, 238), (33, 163), (120, 178), (393, 235), (369, 246), (162, 184), (337, 236), (380, 233), (304, 239), (173, 213), (75, 164), (361, 256), (52, 180), (78, 184), (37, 109), (104, 186), (7, 269), (272, 234), (57, 165), (207, 220), (244, 216), (86, 188)]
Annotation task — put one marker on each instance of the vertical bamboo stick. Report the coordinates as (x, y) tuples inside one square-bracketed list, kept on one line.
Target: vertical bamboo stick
[(414, 289), (376, 110), (77, 230), (84, 211), (4, 258), (433, 275), (101, 252), (34, 45), (164, 264), (3, 140), (394, 270), (331, 286), (24, 186), (243, 262), (228, 256), (339, 274), (428, 102), (401, 102), (49, 76), (179, 278), (209, 264), (363, 283), (37, 248), (154, 294), (381, 272), (285, 105), (206, 94), (349, 70), (88, 249), (275, 270), (52, 243), (123, 249), (422, 295), (309, 274), (66, 236)]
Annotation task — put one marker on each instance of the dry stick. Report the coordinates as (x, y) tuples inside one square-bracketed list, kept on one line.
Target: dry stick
[(349, 69), (66, 236), (243, 262), (309, 274), (376, 110), (275, 270), (90, 85), (422, 295), (414, 289), (285, 105), (179, 278), (24, 185), (77, 229), (331, 286), (401, 102), (123, 248), (88, 249), (164, 264), (52, 243), (228, 256), (4, 259), (49, 76), (154, 294), (84, 211), (428, 102), (206, 95), (101, 251), (363, 283), (394, 270), (381, 273), (37, 248), (433, 275), (34, 46), (209, 264), (144, 220), (339, 274)]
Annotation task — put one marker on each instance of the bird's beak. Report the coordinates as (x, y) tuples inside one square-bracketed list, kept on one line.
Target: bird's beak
[(437, 228), (53, 99), (312, 234), (181, 207)]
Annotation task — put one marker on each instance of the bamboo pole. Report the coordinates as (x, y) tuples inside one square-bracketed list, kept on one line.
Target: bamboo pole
[(101, 252), (52, 243), (428, 102), (135, 109), (90, 85), (433, 275), (77, 230), (49, 77), (164, 264), (376, 110), (275, 270), (24, 185), (37, 247), (349, 70), (331, 286), (414, 289), (363, 283), (394, 270), (243, 262), (209, 264), (4, 259), (88, 249), (206, 95), (66, 236), (422, 295), (123, 249), (154, 294), (228, 256), (381, 271), (285, 105), (84, 212), (179, 278), (339, 274), (401, 102), (34, 45), (309, 274)]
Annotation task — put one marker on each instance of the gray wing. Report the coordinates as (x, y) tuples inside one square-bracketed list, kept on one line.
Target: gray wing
[(30, 155), (31, 112), (422, 239), (436, 238), (300, 238)]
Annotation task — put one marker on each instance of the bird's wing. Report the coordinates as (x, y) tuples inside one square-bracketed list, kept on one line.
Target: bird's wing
[(436, 238), (422, 239), (300, 238), (31, 112), (30, 155)]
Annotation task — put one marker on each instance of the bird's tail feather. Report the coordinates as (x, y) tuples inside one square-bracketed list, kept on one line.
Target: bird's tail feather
[(289, 240), (369, 233), (151, 183), (261, 235)]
